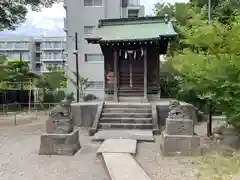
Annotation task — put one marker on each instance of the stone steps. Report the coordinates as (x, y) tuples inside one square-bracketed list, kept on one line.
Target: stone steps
[(128, 105), (133, 125), (124, 110), (127, 114), (130, 94), (138, 99), (126, 120)]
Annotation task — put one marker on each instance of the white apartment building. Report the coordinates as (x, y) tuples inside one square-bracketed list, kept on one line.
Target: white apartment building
[(82, 16), (50, 52), (40, 52)]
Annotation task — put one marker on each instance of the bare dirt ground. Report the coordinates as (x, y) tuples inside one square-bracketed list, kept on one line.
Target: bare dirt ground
[(19, 159)]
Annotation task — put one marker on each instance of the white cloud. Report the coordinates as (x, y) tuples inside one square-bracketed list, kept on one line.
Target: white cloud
[(48, 17)]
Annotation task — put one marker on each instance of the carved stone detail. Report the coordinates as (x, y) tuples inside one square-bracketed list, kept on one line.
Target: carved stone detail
[(60, 119), (177, 111)]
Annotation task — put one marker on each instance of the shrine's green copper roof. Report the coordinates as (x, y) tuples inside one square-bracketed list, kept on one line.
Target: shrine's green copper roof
[(131, 29)]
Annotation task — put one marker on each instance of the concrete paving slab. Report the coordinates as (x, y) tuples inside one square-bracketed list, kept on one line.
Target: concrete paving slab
[(139, 135), (118, 146), (122, 166)]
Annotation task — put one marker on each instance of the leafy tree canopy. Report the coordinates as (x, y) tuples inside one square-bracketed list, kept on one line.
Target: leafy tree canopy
[(210, 64), (13, 12)]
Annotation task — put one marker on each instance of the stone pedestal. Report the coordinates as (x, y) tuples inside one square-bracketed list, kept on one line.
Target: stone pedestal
[(179, 138), (59, 144), (179, 127), (59, 125)]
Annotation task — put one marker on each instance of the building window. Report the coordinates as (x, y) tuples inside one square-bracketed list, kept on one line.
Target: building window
[(88, 30), (26, 56), (133, 13), (95, 84), (93, 3), (57, 45), (94, 58), (2, 45), (38, 66)]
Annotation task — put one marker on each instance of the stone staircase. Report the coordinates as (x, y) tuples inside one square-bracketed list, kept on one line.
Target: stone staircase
[(126, 116), (125, 121)]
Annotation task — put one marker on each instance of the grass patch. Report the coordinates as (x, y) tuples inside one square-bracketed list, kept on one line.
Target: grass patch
[(220, 165)]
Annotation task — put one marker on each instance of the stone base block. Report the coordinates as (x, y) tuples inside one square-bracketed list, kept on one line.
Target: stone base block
[(59, 144), (179, 127), (61, 125), (179, 144)]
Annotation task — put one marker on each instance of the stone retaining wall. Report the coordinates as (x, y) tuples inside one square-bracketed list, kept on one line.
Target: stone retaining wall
[(84, 113)]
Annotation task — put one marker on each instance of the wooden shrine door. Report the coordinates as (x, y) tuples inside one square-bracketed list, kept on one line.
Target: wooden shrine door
[(131, 76)]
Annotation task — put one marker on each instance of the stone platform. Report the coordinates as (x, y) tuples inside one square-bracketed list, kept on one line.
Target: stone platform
[(118, 146), (179, 138), (116, 154), (122, 166), (179, 144), (60, 144), (84, 113), (139, 135)]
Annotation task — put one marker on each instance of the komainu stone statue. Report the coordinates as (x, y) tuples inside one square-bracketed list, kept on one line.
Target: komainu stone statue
[(60, 137), (178, 136), (60, 119), (61, 110), (177, 111)]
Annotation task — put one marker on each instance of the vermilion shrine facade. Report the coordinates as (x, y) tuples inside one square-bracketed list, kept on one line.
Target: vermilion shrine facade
[(131, 49)]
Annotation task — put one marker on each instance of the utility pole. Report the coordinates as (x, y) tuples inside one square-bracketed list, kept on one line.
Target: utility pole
[(20, 57), (209, 122), (77, 68), (209, 12), (21, 60)]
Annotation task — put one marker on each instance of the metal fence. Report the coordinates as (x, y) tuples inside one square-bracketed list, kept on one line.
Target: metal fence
[(13, 111)]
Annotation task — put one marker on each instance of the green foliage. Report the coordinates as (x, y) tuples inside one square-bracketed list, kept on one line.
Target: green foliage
[(51, 80), (70, 96), (210, 64), (17, 71), (14, 73), (49, 84), (83, 84), (2, 67), (89, 97), (161, 9), (14, 12), (206, 57), (53, 96)]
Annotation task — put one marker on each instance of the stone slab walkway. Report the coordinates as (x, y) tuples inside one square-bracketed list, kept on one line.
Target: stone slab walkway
[(139, 135), (118, 146), (118, 160), (122, 166)]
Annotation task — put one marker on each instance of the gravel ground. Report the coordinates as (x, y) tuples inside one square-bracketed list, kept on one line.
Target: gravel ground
[(19, 159), (170, 168)]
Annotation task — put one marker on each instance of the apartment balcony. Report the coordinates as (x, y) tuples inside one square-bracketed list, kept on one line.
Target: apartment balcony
[(53, 48), (37, 59), (58, 60), (2, 48), (16, 49)]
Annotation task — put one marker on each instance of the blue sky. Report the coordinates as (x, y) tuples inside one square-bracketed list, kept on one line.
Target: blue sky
[(50, 20)]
